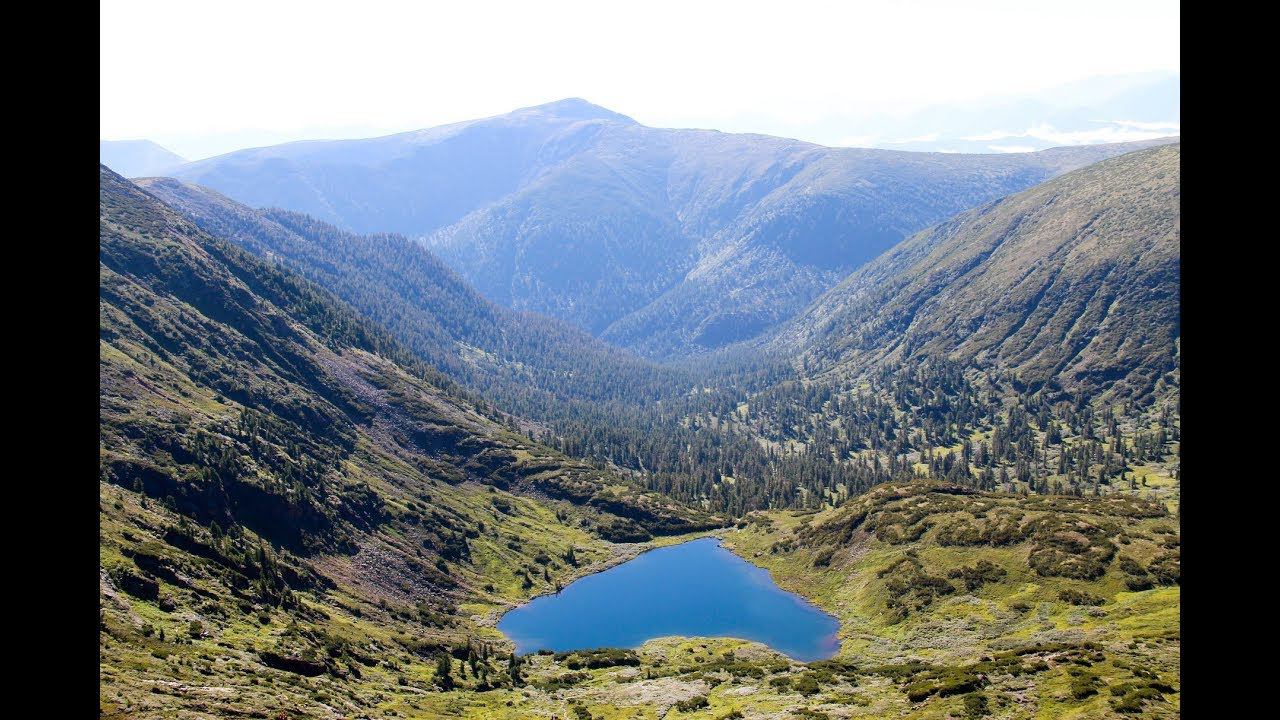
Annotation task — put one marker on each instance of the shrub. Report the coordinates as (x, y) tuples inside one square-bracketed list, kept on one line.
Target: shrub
[(1002, 527), (806, 684), (1130, 566), (693, 703), (1084, 684), (1079, 597), (1139, 583), (910, 588), (1166, 568), (560, 682), (975, 577), (976, 705), (1132, 695), (599, 658), (1069, 547)]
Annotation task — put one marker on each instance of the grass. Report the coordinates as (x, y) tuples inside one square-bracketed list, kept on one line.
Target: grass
[(1001, 621)]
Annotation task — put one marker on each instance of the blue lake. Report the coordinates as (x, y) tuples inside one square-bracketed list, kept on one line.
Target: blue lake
[(695, 589)]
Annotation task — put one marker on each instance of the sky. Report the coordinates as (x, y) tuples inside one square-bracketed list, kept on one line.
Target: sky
[(206, 78)]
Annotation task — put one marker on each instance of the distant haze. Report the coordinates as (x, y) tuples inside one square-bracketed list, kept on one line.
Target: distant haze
[(971, 77), (136, 158)]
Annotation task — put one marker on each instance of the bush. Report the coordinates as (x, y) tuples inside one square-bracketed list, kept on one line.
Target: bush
[(1068, 547), (1079, 597), (693, 703), (1166, 568), (599, 658), (976, 705), (1084, 684), (1003, 527), (910, 588), (1130, 566), (806, 684), (975, 577), (560, 682), (1132, 696)]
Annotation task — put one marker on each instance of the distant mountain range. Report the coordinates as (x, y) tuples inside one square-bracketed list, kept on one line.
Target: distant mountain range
[(135, 158), (1102, 109), (529, 364), (1073, 283), (667, 242)]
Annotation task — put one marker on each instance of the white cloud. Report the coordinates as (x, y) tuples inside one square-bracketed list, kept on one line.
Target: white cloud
[(1113, 132), (1168, 125), (993, 135), (1105, 134)]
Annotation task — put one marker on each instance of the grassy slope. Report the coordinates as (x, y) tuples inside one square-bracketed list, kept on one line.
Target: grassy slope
[(515, 359), (1010, 648), (317, 560), (1074, 281), (1020, 609)]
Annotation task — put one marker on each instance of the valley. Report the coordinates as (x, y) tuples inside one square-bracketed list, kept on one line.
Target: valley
[(356, 405), (670, 243)]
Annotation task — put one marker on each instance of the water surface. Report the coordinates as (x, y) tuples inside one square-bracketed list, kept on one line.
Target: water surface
[(695, 589)]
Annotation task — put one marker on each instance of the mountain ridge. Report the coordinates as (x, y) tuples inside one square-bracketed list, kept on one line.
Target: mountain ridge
[(667, 242), (987, 286)]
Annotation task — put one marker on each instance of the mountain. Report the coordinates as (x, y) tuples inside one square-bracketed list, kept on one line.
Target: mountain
[(529, 364), (135, 158), (210, 320), (265, 452), (411, 183), (667, 242), (1072, 284), (588, 399)]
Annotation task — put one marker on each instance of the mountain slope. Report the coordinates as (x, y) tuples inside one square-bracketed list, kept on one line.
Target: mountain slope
[(1037, 606), (590, 400), (529, 364), (264, 341), (668, 242), (1074, 283), (134, 158), (270, 461)]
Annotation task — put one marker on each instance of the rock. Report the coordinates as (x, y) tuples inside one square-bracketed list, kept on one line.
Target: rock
[(300, 666)]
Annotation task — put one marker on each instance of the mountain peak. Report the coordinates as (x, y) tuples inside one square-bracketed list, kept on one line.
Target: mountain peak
[(576, 109)]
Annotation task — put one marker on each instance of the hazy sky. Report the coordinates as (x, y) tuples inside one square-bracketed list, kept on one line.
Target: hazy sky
[(208, 77)]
